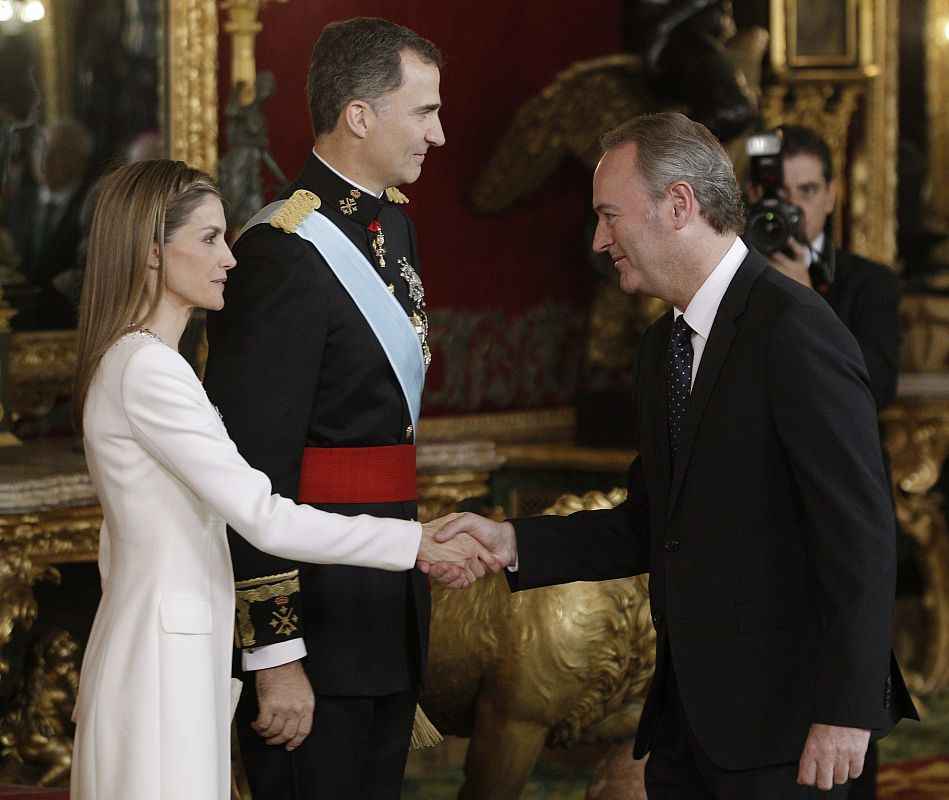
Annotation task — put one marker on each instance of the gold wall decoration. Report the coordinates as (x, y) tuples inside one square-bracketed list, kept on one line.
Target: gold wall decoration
[(243, 26), (860, 109), (56, 46), (190, 82), (42, 367), (832, 38), (917, 438), (937, 107), (874, 174), (545, 424)]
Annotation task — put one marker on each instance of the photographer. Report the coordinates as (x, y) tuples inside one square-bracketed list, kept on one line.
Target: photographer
[(865, 295)]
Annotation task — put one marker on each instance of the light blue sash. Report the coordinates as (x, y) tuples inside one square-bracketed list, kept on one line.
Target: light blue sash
[(378, 305)]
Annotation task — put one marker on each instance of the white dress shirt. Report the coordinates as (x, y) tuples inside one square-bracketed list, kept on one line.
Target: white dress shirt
[(703, 307)]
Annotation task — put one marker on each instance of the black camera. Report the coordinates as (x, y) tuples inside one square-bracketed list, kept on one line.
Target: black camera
[(771, 220)]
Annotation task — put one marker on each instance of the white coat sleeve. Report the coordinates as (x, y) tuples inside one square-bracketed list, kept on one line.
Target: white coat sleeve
[(170, 415)]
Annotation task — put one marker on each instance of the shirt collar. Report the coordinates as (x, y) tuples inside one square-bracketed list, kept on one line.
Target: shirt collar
[(814, 250), (701, 311), (350, 181)]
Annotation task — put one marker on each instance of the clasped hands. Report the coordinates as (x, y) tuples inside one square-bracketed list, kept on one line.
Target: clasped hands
[(457, 549)]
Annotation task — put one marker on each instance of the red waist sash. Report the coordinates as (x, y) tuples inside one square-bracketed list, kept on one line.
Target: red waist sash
[(358, 474)]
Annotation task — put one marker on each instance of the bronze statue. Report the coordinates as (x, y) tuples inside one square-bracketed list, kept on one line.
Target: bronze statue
[(553, 666), (248, 151), (681, 44)]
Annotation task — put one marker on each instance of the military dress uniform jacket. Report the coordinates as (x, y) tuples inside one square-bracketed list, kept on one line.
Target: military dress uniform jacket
[(293, 363), (770, 542)]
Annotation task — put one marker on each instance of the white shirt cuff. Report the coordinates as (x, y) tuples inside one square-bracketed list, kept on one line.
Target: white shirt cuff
[(272, 655)]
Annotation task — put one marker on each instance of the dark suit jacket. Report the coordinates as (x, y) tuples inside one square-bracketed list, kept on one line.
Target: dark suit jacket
[(52, 309), (866, 297), (293, 363), (770, 546)]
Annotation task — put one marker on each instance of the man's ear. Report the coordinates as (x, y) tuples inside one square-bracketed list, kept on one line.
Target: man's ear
[(357, 116), (684, 204)]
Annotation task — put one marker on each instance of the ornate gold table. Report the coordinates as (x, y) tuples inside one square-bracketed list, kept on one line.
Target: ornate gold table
[(49, 515)]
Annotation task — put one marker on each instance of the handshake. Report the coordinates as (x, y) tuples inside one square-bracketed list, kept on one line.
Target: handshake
[(457, 549)]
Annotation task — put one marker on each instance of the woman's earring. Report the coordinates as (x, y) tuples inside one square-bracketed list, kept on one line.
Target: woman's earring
[(156, 265)]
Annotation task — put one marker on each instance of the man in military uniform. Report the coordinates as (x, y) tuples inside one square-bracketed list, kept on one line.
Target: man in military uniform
[(320, 389)]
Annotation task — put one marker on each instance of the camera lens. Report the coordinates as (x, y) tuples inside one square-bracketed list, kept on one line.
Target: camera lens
[(767, 230)]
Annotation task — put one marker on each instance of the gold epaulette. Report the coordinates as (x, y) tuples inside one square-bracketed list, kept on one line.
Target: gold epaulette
[(395, 196), (297, 208), (282, 618)]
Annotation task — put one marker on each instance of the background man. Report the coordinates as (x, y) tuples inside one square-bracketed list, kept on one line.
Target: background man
[(758, 501), (43, 217), (864, 294), (310, 397)]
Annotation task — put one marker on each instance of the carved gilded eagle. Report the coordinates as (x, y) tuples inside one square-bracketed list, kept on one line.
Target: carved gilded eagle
[(571, 114)]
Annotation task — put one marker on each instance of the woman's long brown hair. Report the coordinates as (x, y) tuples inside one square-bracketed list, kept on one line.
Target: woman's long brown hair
[(141, 204)]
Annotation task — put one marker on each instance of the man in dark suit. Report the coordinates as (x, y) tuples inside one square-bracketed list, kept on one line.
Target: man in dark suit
[(312, 395), (43, 218), (758, 502)]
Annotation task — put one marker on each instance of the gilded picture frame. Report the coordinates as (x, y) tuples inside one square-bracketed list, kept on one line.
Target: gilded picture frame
[(189, 121), (833, 37)]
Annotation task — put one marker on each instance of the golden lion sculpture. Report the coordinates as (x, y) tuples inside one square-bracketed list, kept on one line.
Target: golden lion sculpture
[(552, 666)]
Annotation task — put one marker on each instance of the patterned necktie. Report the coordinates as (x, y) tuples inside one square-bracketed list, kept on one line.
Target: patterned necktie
[(678, 378)]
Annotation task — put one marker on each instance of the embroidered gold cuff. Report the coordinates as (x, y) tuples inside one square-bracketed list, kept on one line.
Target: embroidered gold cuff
[(265, 609)]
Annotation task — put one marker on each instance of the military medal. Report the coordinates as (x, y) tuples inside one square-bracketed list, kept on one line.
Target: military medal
[(410, 276), (378, 243), (420, 323), (417, 295)]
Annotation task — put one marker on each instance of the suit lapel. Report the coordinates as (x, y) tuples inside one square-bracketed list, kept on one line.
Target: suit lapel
[(653, 420), (660, 409), (713, 359)]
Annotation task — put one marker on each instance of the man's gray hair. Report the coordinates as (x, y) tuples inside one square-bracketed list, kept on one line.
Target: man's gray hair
[(671, 147)]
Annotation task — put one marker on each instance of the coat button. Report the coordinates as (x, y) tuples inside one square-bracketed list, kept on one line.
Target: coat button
[(657, 620), (672, 545), (409, 431)]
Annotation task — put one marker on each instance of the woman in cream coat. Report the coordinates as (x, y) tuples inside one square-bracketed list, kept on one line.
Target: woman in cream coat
[(155, 700)]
